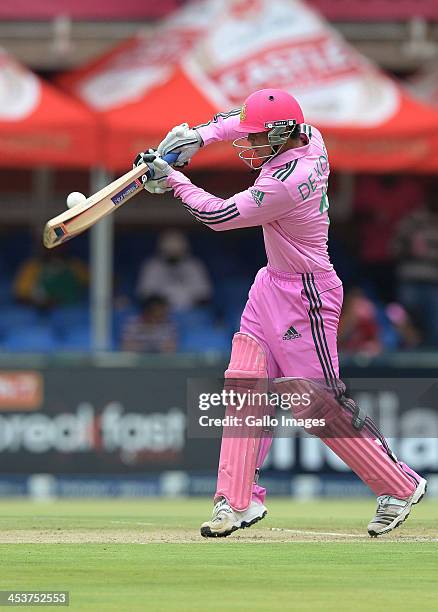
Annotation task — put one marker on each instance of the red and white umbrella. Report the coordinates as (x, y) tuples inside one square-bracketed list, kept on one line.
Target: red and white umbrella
[(41, 125), (191, 68)]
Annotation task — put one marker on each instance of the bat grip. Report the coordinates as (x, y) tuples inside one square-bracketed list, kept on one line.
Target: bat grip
[(170, 158)]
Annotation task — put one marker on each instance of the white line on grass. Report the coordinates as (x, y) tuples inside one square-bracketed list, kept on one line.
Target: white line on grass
[(411, 538), (320, 533)]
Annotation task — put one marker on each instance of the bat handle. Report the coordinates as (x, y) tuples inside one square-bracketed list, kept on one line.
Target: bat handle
[(170, 158)]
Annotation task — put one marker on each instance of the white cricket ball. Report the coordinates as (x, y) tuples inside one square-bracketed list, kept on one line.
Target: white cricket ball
[(74, 198)]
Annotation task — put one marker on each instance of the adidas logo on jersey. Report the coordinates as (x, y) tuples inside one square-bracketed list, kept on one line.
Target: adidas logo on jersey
[(291, 334), (257, 196)]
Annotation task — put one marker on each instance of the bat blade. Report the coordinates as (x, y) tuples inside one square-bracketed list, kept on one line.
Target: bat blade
[(76, 220)]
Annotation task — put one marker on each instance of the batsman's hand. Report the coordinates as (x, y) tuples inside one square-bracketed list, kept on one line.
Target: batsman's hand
[(181, 139), (158, 183)]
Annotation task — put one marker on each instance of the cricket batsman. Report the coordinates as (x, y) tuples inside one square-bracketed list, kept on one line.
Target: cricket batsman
[(289, 325)]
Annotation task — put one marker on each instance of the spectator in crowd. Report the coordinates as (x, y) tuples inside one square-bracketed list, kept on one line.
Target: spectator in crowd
[(416, 249), (359, 327), (51, 279), (173, 273), (151, 331), (380, 203), (407, 336)]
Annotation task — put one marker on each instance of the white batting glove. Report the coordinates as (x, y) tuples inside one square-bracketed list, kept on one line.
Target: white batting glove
[(158, 166), (156, 187), (158, 183), (181, 139)]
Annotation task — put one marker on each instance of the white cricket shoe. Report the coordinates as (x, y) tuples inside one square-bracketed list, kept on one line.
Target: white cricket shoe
[(391, 511), (225, 520)]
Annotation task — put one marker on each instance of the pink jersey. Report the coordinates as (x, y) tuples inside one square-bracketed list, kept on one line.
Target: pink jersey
[(288, 199)]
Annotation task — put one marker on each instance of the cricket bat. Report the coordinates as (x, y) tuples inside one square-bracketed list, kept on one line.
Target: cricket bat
[(76, 220)]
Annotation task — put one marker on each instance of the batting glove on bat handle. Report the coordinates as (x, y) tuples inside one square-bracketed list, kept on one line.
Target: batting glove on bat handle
[(149, 158), (154, 179), (183, 140)]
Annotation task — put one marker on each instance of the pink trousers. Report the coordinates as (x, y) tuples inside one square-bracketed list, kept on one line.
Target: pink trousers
[(295, 318)]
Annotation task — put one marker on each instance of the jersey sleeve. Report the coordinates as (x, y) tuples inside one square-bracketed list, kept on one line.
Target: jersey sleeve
[(267, 201), (220, 128)]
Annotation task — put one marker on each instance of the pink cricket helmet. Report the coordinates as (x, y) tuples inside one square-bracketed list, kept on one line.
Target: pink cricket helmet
[(266, 106)]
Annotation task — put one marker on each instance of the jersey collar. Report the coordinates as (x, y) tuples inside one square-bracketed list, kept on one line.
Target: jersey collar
[(287, 156)]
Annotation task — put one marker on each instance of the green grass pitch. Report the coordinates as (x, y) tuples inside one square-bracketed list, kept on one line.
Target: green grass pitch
[(147, 555)]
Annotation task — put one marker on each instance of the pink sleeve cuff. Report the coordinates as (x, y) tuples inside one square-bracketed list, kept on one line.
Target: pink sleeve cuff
[(175, 178)]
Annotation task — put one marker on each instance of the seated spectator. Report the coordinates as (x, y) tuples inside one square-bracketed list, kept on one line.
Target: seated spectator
[(51, 279), (416, 249), (151, 331), (408, 336), (359, 328), (174, 274)]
